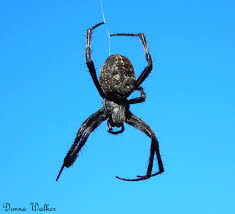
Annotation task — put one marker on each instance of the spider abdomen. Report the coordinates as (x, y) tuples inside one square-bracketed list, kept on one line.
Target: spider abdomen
[(117, 77)]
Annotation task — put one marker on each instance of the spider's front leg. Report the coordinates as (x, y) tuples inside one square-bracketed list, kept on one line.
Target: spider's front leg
[(87, 127), (154, 149)]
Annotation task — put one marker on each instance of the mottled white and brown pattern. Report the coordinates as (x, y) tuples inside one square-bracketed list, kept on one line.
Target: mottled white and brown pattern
[(117, 76)]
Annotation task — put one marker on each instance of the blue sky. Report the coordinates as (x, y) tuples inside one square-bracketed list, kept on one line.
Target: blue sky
[(46, 93)]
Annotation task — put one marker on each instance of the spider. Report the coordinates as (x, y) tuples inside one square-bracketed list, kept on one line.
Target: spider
[(117, 81)]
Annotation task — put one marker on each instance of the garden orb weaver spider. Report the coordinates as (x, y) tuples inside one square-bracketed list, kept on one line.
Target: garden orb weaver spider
[(117, 81)]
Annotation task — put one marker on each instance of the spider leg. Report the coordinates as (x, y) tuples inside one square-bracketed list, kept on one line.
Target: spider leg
[(154, 149), (110, 128), (138, 99), (87, 127), (149, 67), (90, 63)]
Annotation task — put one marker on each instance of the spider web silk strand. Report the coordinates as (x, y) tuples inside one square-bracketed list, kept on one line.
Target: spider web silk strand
[(102, 10)]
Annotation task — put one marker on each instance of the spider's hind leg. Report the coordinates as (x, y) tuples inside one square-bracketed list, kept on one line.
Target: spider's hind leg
[(90, 63), (149, 66)]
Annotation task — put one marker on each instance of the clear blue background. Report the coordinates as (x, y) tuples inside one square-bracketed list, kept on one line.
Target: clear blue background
[(46, 93)]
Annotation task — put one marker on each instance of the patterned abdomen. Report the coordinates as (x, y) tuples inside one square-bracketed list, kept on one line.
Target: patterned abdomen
[(117, 77)]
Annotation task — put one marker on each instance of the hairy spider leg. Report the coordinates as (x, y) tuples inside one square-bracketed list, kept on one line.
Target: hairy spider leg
[(90, 63), (87, 127), (142, 126), (138, 99), (149, 67)]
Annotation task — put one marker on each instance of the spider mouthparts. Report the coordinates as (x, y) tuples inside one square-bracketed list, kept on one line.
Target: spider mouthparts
[(60, 172)]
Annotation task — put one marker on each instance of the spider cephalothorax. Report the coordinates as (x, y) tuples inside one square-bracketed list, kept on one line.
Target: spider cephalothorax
[(117, 81)]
